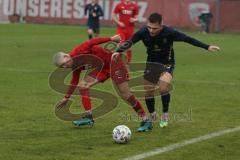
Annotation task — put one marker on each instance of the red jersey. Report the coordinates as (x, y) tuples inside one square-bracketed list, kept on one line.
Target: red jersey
[(90, 47), (126, 11), (99, 59)]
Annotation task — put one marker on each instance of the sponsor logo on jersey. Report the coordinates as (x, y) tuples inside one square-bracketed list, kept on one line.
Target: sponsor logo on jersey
[(127, 12)]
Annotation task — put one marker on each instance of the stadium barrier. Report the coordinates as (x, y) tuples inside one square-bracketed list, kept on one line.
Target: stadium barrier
[(177, 13)]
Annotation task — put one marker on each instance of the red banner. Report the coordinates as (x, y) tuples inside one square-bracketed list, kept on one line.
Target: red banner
[(177, 13)]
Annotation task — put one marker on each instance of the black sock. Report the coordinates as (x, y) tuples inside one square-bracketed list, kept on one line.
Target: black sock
[(90, 36), (165, 102), (150, 102)]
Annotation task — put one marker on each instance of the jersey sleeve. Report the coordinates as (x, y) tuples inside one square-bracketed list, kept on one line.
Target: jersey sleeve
[(116, 9), (179, 36), (137, 36), (128, 43), (73, 83)]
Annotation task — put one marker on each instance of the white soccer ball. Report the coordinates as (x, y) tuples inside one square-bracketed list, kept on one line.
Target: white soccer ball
[(121, 134)]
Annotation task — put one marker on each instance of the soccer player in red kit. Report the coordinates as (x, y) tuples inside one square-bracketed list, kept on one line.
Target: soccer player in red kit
[(103, 68), (125, 15)]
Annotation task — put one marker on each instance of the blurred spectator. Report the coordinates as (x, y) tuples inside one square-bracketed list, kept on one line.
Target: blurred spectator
[(94, 11), (205, 19)]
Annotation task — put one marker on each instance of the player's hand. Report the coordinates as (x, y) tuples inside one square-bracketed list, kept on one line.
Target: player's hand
[(115, 56), (121, 24), (213, 48), (94, 14), (116, 38), (133, 20), (62, 103)]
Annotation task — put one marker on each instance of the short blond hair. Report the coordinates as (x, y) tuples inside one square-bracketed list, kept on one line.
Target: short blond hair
[(57, 57)]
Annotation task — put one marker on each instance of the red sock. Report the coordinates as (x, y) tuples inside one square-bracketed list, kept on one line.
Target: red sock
[(129, 56), (137, 106), (86, 100)]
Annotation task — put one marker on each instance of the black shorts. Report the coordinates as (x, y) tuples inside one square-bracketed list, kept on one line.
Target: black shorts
[(153, 71), (94, 25)]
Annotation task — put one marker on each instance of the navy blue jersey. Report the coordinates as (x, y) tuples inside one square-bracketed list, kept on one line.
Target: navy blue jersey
[(93, 8), (160, 47)]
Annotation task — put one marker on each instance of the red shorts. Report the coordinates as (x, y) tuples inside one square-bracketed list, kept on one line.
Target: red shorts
[(125, 33), (116, 70)]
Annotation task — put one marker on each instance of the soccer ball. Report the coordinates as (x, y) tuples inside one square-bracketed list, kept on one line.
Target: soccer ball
[(121, 134)]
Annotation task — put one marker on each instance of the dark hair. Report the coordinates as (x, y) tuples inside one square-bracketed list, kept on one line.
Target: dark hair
[(155, 18)]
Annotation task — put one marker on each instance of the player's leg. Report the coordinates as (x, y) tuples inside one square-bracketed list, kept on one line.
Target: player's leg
[(84, 91), (85, 86), (129, 56), (203, 27), (90, 33), (151, 78), (149, 90), (207, 26), (119, 75), (126, 95), (90, 29), (165, 86), (96, 29), (120, 32)]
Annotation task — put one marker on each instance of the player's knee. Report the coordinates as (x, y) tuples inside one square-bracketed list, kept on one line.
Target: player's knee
[(149, 94), (164, 89), (125, 95), (83, 87), (90, 31)]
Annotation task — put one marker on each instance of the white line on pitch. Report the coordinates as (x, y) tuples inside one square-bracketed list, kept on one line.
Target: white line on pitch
[(174, 146)]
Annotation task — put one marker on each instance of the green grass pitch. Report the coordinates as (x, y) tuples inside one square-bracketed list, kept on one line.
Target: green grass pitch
[(205, 99)]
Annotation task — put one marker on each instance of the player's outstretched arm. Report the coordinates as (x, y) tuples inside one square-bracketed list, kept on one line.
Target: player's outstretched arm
[(96, 41), (213, 48), (73, 85), (179, 36)]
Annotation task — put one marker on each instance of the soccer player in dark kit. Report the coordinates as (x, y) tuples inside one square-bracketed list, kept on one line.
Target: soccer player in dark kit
[(94, 12), (158, 39), (102, 69)]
